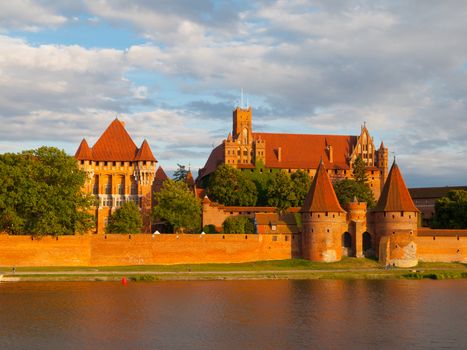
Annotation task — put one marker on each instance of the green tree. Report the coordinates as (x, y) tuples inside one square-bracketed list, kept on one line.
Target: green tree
[(230, 186), (181, 173), (177, 205), (281, 192), (451, 211), (301, 183), (40, 193), (126, 219), (238, 224), (359, 170), (348, 189)]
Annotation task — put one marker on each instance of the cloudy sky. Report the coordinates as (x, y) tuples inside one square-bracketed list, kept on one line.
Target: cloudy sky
[(173, 70)]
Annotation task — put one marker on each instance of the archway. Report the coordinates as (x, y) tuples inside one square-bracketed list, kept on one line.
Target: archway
[(346, 244), (367, 245)]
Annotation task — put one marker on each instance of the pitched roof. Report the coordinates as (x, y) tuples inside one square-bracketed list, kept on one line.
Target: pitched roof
[(321, 196), (305, 151), (115, 144), (395, 195), (433, 192), (145, 153), (83, 152)]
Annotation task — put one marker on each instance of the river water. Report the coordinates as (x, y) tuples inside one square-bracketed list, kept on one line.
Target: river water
[(319, 314)]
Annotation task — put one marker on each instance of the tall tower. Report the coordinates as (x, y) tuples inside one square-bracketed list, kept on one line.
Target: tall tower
[(242, 125), (383, 163), (323, 220), (395, 223)]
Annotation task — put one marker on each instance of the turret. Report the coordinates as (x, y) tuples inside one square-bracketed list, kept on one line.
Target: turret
[(356, 217), (323, 220), (395, 223), (383, 162)]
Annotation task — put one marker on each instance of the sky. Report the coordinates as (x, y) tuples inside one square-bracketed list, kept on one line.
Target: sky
[(173, 71)]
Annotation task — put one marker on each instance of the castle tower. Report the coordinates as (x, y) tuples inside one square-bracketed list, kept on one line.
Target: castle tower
[(356, 217), (145, 171), (118, 171), (395, 223), (383, 163), (260, 150), (323, 220)]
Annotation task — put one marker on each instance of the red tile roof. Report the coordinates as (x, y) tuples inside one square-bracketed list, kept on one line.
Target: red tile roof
[(305, 151), (115, 144), (145, 153), (321, 196), (160, 174), (83, 152), (395, 195)]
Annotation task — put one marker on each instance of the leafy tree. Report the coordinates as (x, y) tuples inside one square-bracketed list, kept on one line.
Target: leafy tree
[(126, 219), (181, 173), (230, 186), (358, 170), (451, 211), (238, 224), (40, 193), (178, 206), (301, 183), (347, 189), (281, 191), (209, 228)]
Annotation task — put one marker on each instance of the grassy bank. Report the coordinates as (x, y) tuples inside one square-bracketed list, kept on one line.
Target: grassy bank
[(348, 268)]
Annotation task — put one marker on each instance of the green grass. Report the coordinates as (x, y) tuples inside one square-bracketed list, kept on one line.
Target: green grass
[(290, 264)]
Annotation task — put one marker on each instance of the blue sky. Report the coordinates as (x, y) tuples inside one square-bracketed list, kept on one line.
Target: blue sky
[(173, 70)]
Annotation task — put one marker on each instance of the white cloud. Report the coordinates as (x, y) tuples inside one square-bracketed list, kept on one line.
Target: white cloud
[(27, 15)]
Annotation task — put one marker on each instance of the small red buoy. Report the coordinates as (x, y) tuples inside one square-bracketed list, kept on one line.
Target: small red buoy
[(124, 281)]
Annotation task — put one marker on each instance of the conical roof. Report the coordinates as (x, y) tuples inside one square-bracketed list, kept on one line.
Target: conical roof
[(189, 179), (83, 152), (145, 153), (321, 196), (160, 175), (395, 195), (115, 144)]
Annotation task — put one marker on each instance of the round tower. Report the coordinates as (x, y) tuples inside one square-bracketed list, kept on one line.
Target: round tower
[(395, 223), (323, 221), (356, 216)]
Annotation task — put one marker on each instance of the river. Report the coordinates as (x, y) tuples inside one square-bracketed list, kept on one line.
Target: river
[(317, 314)]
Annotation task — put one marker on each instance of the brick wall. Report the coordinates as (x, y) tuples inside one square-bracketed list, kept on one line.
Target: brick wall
[(144, 249)]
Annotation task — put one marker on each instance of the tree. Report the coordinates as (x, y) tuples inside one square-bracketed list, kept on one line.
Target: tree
[(238, 224), (281, 191), (40, 193), (348, 189), (359, 170), (181, 173), (177, 205), (126, 219), (301, 183), (451, 211), (230, 186)]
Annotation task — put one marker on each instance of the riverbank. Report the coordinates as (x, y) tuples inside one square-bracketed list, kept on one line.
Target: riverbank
[(348, 268)]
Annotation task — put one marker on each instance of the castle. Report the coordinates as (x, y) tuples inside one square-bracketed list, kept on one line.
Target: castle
[(245, 149), (118, 171)]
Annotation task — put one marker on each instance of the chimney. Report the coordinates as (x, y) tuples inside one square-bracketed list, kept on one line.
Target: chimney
[(331, 155), (279, 154)]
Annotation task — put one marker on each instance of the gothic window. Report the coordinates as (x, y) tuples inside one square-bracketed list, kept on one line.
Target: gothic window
[(245, 136)]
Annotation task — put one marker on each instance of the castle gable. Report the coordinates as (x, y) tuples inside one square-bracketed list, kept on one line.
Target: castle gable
[(321, 196), (395, 195)]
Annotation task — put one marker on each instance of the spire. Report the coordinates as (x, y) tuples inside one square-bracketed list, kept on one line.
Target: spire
[(145, 153), (83, 152), (382, 145), (395, 195), (321, 196), (229, 137), (189, 179)]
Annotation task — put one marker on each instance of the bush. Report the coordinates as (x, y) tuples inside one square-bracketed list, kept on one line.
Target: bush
[(238, 224), (209, 228)]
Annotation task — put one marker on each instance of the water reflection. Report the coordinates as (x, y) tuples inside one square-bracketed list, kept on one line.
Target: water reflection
[(324, 314)]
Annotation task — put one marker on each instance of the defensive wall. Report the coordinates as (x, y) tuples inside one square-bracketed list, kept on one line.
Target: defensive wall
[(145, 249)]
